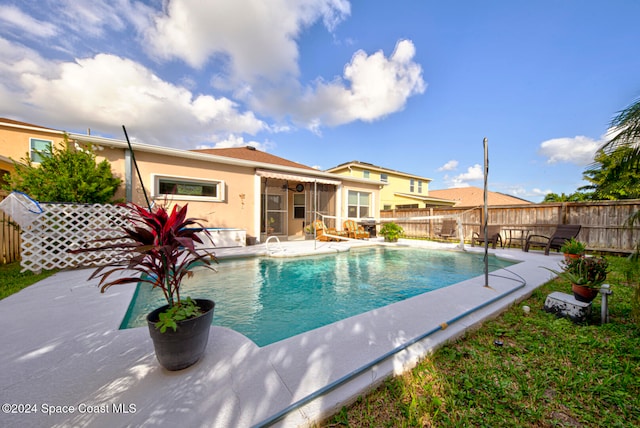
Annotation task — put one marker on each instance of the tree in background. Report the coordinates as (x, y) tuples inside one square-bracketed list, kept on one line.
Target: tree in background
[(572, 197), (615, 173), (627, 122), (65, 175), (609, 179), (627, 127)]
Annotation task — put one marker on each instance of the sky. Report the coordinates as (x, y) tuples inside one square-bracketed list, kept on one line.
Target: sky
[(409, 85)]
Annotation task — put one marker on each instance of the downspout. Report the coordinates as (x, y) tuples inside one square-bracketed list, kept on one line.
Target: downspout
[(339, 205), (335, 384), (128, 175), (135, 164), (257, 194), (315, 214)]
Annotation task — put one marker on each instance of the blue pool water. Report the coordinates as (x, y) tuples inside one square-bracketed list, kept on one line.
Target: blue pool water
[(269, 299)]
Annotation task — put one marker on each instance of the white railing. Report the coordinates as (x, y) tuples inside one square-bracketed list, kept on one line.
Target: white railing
[(62, 227)]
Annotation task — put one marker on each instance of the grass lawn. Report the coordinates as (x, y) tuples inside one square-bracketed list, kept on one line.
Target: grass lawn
[(549, 372), (12, 281)]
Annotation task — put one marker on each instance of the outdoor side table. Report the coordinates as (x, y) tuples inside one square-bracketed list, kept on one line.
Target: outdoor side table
[(518, 235)]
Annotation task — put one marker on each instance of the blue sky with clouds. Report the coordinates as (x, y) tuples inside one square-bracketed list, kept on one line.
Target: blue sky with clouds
[(409, 85)]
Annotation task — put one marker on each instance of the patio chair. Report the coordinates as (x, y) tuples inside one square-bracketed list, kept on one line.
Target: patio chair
[(493, 234), (563, 233), (322, 231), (354, 231), (448, 229)]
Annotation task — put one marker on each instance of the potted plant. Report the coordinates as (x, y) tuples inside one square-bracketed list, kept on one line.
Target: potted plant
[(160, 246), (309, 230), (573, 248), (391, 232), (586, 275)]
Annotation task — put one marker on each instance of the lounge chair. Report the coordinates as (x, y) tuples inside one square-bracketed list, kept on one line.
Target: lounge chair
[(322, 231), (493, 234), (448, 229), (354, 231), (563, 233)]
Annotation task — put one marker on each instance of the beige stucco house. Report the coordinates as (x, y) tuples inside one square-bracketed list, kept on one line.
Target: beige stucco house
[(401, 190), (19, 140), (239, 188)]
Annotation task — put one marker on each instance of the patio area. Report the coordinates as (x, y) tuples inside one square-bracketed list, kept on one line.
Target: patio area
[(65, 361)]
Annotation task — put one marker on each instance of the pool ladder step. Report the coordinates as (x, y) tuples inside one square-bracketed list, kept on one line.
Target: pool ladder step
[(279, 248)]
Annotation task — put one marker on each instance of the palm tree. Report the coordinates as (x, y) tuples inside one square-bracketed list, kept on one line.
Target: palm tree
[(626, 129), (626, 126)]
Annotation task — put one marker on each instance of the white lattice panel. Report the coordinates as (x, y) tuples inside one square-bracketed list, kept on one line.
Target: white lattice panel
[(63, 227)]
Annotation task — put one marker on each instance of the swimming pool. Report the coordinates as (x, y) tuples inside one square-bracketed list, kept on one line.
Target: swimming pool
[(269, 299)]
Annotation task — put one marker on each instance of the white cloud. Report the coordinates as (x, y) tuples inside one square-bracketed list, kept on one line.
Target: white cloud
[(474, 173), (105, 92), (250, 51), (20, 21), (377, 86), (258, 41), (578, 150), (449, 166), (521, 192), (94, 16), (539, 192), (236, 141)]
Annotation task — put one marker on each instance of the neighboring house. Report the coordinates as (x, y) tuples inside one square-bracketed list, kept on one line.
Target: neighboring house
[(474, 197), (19, 140), (401, 190), (227, 188)]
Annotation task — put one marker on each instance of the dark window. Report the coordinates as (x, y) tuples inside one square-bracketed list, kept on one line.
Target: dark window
[(298, 206), (188, 188)]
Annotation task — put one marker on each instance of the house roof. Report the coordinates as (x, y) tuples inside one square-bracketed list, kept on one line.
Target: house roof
[(269, 162), (428, 199), (370, 166), (18, 124), (474, 196), (250, 153)]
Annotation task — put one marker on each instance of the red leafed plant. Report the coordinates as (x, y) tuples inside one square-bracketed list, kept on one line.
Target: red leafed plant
[(162, 246)]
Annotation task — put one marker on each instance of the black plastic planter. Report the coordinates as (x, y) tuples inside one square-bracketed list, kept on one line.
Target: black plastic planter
[(177, 350)]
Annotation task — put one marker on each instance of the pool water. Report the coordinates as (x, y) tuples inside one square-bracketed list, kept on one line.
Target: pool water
[(269, 299)]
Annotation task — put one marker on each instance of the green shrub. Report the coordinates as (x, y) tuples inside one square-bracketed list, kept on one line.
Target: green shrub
[(391, 231), (65, 175)]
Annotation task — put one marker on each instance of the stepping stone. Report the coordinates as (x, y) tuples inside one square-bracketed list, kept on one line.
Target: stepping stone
[(565, 305)]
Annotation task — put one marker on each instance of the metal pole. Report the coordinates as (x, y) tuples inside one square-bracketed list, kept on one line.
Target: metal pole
[(133, 157), (486, 213), (315, 215)]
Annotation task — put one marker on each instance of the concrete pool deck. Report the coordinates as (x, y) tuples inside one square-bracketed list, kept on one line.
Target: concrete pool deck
[(62, 352)]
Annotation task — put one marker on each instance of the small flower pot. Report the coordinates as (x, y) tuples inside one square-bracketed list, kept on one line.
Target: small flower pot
[(177, 350), (568, 256), (584, 294)]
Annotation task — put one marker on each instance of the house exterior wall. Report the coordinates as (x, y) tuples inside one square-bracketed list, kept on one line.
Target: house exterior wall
[(115, 157), (396, 183), (238, 208), (375, 201), (235, 210), (15, 142)]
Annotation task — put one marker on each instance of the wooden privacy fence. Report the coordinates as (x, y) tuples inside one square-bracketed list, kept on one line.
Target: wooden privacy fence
[(604, 223), (9, 237), (45, 243)]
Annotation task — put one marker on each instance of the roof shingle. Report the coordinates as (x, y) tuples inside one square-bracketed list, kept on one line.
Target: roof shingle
[(251, 154), (474, 196)]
